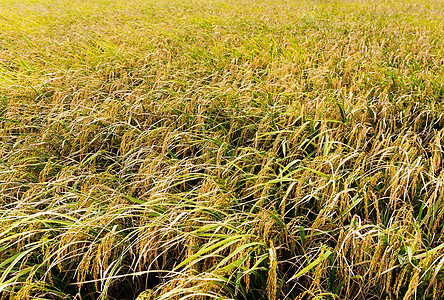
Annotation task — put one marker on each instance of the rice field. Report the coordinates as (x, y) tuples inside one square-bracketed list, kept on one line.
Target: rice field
[(196, 149)]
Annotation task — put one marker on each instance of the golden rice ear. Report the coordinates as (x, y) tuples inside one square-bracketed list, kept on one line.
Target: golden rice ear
[(272, 280), (145, 295)]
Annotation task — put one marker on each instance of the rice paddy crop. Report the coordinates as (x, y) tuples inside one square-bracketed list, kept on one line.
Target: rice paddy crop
[(195, 149)]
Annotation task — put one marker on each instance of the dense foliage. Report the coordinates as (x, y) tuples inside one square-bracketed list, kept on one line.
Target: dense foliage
[(221, 149)]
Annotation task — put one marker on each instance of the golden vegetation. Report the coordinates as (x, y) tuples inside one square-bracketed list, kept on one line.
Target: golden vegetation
[(221, 149)]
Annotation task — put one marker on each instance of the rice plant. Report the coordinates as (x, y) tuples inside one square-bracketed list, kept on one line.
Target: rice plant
[(221, 149)]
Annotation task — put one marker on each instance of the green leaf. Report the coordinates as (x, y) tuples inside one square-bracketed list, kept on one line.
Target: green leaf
[(302, 233), (312, 264)]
